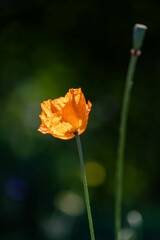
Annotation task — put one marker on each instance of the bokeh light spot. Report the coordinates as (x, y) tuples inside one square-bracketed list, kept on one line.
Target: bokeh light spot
[(127, 234), (69, 203), (96, 173), (16, 188), (134, 218)]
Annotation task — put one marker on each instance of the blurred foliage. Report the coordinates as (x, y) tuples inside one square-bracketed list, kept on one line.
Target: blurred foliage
[(48, 47)]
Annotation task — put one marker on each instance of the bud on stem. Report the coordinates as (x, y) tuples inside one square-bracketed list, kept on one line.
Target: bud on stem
[(139, 31)]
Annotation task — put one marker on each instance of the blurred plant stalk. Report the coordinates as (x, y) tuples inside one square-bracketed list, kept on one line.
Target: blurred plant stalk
[(139, 31)]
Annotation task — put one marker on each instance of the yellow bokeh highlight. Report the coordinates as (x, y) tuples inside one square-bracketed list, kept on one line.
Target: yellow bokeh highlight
[(69, 203), (96, 173)]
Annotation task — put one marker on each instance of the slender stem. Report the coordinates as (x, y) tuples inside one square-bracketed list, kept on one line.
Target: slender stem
[(121, 144), (85, 186)]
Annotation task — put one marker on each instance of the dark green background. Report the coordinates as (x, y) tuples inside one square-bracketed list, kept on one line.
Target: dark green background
[(47, 47)]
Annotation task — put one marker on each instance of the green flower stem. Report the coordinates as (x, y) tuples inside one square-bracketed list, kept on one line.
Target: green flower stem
[(139, 31), (85, 186), (121, 144)]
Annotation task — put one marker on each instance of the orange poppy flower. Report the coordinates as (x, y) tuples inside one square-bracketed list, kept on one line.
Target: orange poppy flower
[(64, 116)]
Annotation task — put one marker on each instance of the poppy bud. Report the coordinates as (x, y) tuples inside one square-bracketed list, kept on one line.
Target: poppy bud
[(139, 31)]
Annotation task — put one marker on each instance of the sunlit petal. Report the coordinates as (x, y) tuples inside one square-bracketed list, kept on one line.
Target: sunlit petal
[(64, 116)]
